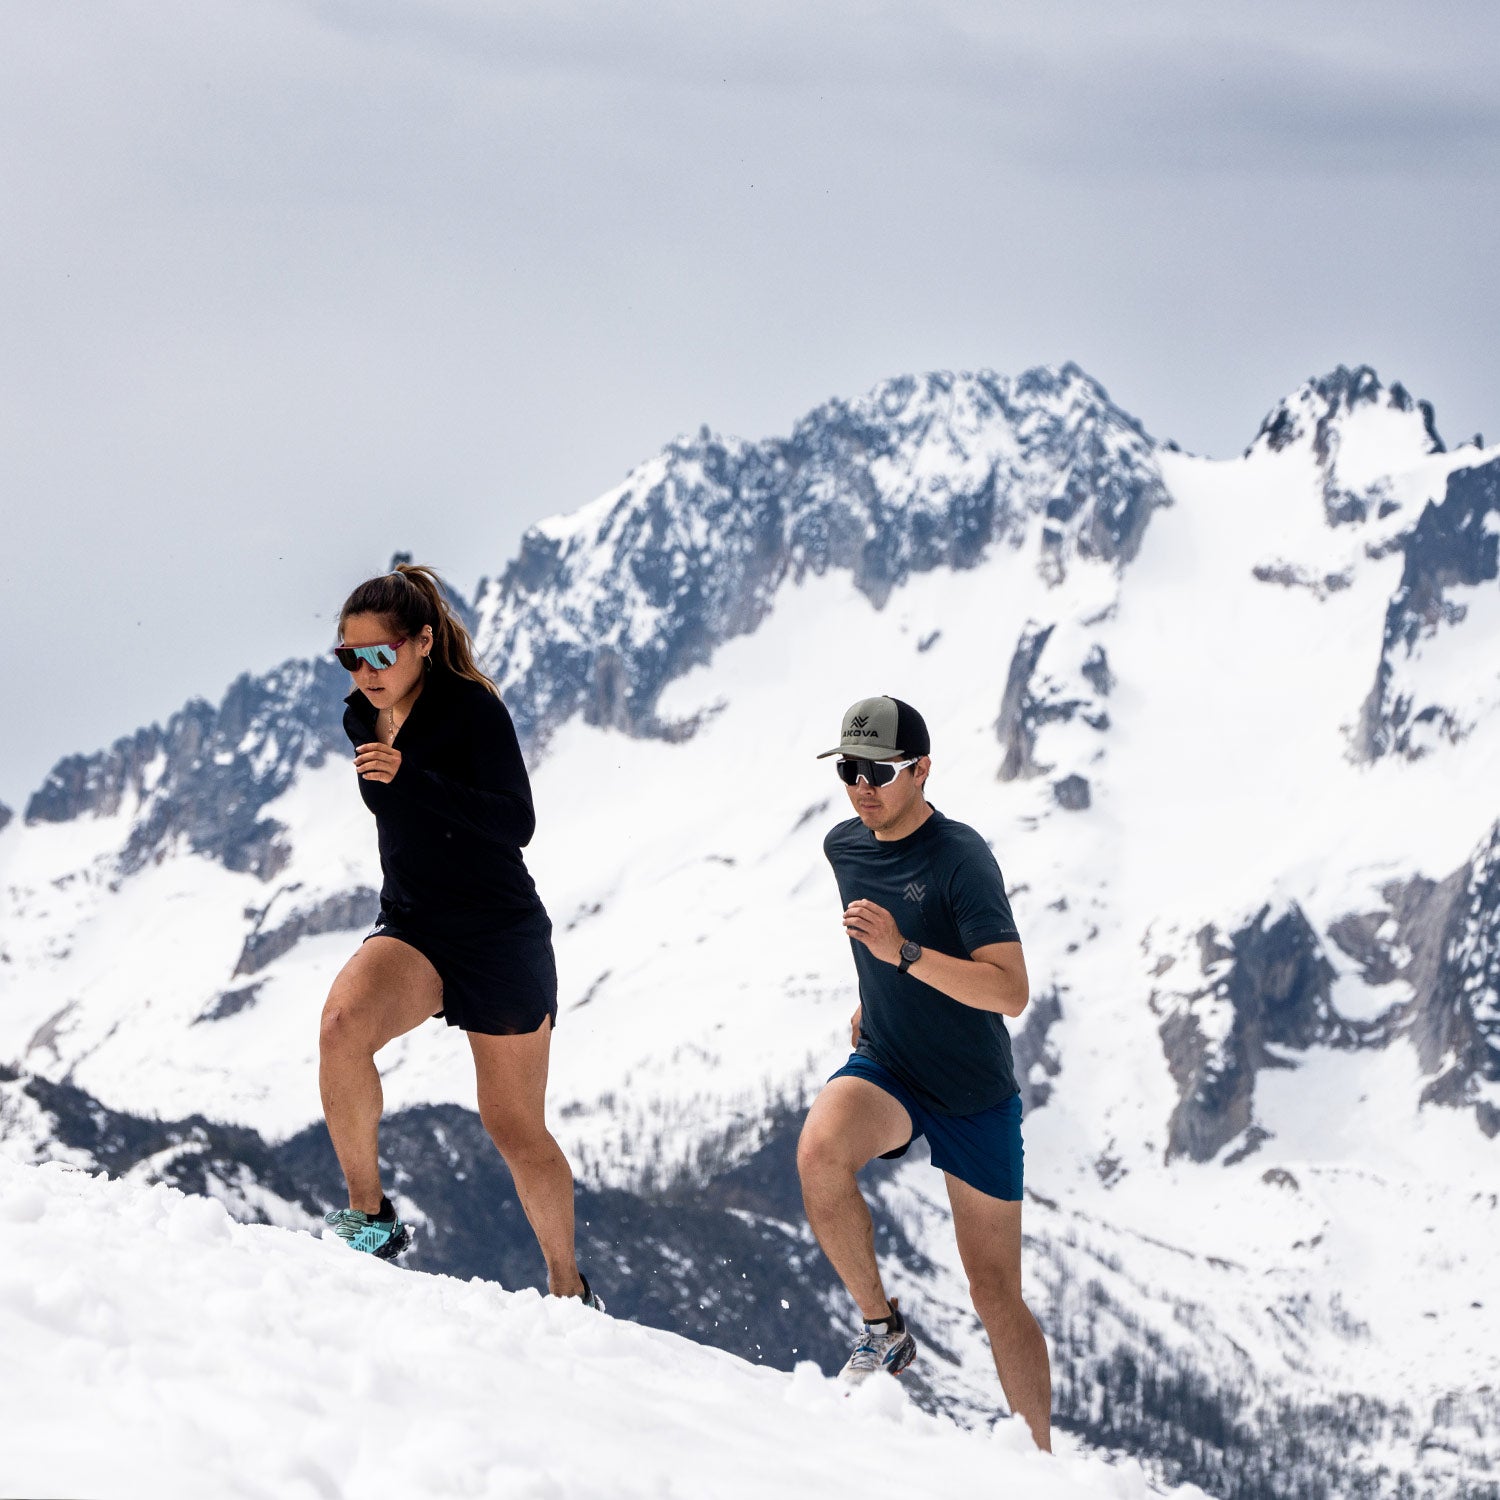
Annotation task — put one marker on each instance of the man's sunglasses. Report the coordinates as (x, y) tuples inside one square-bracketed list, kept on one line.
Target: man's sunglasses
[(877, 772), (380, 656)]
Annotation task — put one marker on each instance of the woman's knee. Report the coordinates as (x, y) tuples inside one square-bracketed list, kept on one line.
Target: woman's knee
[(518, 1137), (345, 1026)]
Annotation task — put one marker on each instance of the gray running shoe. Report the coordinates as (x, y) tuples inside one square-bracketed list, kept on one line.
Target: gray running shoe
[(886, 1345), (591, 1298)]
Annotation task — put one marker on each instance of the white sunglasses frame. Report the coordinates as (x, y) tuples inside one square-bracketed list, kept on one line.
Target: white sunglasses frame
[(898, 766)]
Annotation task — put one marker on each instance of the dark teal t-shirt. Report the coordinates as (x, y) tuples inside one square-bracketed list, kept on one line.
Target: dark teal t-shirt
[(945, 891)]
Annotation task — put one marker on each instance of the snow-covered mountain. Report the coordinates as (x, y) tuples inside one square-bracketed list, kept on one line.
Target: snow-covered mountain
[(1233, 730)]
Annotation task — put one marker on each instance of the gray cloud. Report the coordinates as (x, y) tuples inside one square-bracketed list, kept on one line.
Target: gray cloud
[(291, 284)]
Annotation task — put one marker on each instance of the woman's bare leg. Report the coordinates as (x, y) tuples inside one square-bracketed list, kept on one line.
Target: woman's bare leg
[(512, 1076), (385, 990)]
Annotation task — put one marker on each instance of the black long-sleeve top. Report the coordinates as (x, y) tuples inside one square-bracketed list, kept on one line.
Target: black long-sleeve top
[(453, 821)]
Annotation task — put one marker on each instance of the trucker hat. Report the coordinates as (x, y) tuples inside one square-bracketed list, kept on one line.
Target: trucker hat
[(882, 728)]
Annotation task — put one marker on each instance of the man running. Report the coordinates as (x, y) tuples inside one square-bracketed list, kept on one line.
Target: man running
[(939, 963)]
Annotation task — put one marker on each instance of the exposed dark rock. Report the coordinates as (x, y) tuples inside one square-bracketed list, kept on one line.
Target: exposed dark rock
[(1317, 406), (1096, 671), (1017, 724), (1033, 699), (281, 925), (690, 553), (5, 816), (204, 779), (1455, 543), (1072, 793), (1316, 412), (1253, 1139), (1458, 1031), (1268, 986), (229, 1003), (82, 784), (1032, 1051), (1443, 939), (1289, 576), (1358, 936)]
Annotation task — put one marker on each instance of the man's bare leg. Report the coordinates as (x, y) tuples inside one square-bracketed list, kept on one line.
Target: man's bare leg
[(512, 1075), (850, 1123), (989, 1244), (386, 989)]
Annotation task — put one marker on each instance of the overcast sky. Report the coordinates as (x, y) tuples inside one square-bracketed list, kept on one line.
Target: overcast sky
[(289, 285)]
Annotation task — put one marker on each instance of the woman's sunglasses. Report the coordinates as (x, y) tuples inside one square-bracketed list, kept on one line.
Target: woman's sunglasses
[(876, 772), (379, 656)]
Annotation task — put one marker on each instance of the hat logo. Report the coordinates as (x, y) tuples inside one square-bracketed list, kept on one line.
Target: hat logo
[(859, 721)]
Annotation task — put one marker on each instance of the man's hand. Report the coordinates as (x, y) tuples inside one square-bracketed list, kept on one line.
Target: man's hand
[(854, 1020), (875, 927), (377, 762)]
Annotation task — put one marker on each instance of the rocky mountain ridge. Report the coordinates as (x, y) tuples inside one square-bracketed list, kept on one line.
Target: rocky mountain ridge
[(599, 611)]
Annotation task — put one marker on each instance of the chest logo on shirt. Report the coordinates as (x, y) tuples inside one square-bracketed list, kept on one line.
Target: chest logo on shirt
[(915, 892)]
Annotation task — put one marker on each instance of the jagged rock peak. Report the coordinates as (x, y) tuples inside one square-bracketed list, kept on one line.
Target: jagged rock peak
[(1316, 408), (959, 404), (601, 608), (204, 777)]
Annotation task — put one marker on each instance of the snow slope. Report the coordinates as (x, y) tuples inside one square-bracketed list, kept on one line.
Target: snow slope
[(155, 1348)]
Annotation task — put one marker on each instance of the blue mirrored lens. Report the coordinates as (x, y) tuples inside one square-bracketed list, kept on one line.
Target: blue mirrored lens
[(379, 657)]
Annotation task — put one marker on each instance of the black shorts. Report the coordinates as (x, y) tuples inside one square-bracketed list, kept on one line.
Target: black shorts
[(498, 981)]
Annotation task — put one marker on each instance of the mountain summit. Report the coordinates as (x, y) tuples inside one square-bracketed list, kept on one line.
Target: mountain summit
[(602, 608)]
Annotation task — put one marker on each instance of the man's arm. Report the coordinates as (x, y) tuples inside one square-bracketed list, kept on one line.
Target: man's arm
[(993, 979)]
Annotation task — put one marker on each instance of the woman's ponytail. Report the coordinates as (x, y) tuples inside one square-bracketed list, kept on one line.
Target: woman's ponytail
[(409, 597)]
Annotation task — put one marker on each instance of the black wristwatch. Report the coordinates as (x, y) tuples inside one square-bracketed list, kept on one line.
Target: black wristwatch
[(910, 953)]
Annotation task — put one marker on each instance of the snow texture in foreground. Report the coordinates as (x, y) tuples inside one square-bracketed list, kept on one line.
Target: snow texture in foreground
[(156, 1348)]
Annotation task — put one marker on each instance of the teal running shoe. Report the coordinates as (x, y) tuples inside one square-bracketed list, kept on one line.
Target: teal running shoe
[(382, 1235)]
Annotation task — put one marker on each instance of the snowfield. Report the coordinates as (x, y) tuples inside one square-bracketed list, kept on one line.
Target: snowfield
[(156, 1348)]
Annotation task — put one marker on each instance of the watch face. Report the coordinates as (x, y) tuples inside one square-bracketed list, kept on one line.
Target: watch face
[(911, 951)]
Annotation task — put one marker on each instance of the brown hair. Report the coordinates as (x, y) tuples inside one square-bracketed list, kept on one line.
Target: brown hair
[(409, 597)]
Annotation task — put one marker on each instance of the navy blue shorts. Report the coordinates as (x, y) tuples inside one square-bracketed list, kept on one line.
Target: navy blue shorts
[(983, 1150)]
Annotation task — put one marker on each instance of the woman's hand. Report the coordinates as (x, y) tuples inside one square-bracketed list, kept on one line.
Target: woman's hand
[(854, 1021), (377, 762)]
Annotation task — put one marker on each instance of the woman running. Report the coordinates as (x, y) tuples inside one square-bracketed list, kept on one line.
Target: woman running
[(462, 933)]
